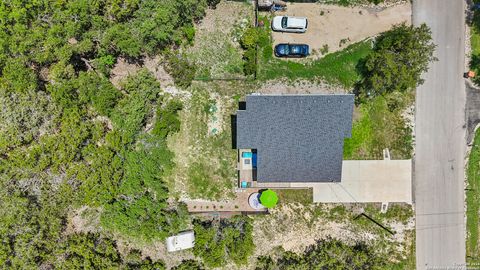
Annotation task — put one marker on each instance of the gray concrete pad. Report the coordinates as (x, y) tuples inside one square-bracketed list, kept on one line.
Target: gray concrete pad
[(367, 181)]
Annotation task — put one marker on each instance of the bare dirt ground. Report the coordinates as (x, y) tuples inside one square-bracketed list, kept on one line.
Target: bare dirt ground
[(337, 27), (121, 70), (298, 87)]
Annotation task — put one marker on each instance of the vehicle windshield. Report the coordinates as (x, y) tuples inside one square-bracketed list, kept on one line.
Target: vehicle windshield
[(284, 22)]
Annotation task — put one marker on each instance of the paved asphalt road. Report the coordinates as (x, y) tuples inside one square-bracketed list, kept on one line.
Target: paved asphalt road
[(440, 140)]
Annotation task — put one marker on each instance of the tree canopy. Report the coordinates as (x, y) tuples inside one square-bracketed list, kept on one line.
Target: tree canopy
[(69, 138), (399, 58), (220, 243)]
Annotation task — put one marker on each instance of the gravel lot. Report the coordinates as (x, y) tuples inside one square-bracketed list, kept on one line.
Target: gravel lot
[(337, 26)]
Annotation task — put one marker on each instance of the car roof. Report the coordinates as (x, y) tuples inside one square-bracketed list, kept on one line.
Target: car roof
[(291, 44), (296, 22)]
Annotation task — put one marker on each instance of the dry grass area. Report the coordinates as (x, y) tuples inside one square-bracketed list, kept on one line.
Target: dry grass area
[(333, 28), (216, 49), (205, 161), (293, 227)]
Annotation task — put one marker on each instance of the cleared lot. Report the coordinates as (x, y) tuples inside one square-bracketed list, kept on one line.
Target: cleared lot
[(337, 27)]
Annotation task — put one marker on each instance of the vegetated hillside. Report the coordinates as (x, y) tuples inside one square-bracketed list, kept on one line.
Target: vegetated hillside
[(69, 138)]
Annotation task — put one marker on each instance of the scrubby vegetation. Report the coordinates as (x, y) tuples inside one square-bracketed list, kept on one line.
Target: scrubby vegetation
[(223, 242), (181, 69), (381, 124), (389, 75), (329, 254), (69, 138)]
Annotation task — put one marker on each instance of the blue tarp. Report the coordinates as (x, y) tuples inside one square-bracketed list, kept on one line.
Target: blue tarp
[(254, 160)]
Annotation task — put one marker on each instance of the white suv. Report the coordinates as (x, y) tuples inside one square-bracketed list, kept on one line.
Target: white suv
[(289, 24)]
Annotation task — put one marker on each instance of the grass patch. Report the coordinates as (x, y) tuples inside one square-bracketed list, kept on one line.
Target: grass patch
[(337, 68), (216, 51), (381, 125), (358, 145), (473, 197), (302, 196)]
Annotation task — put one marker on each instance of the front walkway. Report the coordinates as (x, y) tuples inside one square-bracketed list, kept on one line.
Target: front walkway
[(238, 204)]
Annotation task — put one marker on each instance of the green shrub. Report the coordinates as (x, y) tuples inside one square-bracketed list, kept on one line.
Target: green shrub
[(130, 113), (250, 64), (104, 63), (249, 38), (218, 243), (324, 49), (399, 58), (182, 71), (213, 3), (189, 33), (140, 209), (98, 91), (189, 265), (167, 121)]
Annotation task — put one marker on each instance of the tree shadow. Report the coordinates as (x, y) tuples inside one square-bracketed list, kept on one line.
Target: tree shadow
[(360, 86)]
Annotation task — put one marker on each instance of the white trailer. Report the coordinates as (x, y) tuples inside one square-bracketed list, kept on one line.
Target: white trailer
[(181, 241)]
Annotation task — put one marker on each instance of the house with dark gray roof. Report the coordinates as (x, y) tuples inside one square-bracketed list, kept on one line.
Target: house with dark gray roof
[(292, 138)]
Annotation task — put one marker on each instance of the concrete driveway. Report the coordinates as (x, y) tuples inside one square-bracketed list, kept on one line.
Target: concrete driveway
[(366, 181), (440, 140)]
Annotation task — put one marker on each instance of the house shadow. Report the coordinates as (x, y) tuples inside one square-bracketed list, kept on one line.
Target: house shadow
[(233, 128), (242, 105)]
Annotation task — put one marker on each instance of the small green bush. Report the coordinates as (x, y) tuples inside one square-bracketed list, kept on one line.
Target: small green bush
[(180, 68), (167, 119), (219, 243), (249, 38), (98, 91), (250, 65)]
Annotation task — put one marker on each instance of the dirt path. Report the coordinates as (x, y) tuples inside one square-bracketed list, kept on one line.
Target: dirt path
[(337, 27)]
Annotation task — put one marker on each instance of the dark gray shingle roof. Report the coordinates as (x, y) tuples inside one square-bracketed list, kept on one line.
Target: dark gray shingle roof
[(299, 138)]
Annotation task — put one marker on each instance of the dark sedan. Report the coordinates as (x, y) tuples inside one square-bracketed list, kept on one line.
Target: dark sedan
[(291, 50)]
